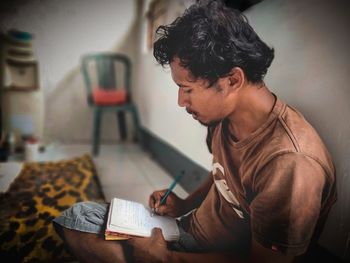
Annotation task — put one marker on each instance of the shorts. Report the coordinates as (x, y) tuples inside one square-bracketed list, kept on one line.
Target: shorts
[(91, 217)]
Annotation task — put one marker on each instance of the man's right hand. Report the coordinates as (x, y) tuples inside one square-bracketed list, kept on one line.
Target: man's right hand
[(174, 206)]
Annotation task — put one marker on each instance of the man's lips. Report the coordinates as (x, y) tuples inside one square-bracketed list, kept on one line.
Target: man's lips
[(189, 111), (193, 113)]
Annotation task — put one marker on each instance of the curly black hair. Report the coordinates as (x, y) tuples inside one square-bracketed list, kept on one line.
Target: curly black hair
[(210, 39)]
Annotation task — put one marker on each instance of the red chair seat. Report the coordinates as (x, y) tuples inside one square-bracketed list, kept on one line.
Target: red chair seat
[(109, 97)]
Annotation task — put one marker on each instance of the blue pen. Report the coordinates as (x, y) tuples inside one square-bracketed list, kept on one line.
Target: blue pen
[(171, 187)]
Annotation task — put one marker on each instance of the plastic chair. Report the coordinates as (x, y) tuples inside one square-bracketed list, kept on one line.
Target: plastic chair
[(109, 94)]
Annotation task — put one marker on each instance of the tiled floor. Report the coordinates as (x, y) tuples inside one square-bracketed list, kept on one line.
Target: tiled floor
[(125, 170)]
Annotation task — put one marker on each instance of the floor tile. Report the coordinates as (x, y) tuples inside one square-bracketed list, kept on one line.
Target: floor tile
[(125, 170)]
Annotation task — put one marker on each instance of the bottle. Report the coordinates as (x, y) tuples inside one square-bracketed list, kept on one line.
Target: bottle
[(31, 149), (12, 143)]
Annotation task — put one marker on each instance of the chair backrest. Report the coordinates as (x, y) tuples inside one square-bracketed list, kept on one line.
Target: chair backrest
[(105, 66)]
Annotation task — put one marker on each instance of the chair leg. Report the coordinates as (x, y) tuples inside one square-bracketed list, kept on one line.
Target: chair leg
[(122, 125), (96, 132), (135, 116)]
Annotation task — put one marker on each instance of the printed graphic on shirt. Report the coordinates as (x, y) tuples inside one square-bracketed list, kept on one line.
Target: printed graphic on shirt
[(223, 189)]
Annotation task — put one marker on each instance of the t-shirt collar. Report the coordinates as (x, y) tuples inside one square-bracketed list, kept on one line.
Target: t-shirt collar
[(277, 110)]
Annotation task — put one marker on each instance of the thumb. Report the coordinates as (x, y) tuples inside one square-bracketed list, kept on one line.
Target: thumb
[(157, 233)]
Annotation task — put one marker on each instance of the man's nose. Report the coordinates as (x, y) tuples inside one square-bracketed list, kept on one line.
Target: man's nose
[(182, 99)]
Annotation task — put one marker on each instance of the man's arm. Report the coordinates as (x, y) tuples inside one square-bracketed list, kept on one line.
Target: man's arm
[(154, 249), (176, 206), (258, 254), (196, 198)]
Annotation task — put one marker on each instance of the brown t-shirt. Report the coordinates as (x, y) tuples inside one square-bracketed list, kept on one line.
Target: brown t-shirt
[(276, 186)]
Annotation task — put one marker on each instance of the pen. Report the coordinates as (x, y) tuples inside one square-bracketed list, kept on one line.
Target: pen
[(171, 187)]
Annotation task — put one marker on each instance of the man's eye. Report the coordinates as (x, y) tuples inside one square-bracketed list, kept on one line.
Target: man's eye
[(188, 91)]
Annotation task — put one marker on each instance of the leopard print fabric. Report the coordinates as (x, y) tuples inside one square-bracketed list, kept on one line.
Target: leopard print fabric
[(38, 195)]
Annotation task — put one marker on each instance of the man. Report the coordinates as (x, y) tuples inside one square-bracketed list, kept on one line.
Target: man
[(272, 182)]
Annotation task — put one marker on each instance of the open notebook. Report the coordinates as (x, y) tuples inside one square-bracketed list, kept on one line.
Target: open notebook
[(128, 218)]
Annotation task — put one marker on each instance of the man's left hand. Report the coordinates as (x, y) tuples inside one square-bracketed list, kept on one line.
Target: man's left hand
[(150, 249)]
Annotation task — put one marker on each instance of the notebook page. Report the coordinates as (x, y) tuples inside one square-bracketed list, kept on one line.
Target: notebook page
[(134, 218), (130, 215)]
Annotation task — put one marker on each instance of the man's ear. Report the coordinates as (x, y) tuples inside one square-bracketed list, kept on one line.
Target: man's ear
[(236, 79)]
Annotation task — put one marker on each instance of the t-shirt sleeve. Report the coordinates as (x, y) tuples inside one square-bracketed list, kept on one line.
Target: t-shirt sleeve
[(287, 202)]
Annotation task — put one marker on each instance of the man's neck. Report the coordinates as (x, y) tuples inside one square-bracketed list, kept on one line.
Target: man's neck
[(253, 108)]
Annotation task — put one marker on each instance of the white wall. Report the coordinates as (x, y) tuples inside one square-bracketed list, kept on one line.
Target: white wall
[(157, 100), (63, 32), (310, 71)]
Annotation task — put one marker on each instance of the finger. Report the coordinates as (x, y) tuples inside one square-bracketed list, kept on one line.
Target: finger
[(161, 210), (154, 197), (156, 204), (157, 232), (158, 196), (152, 201)]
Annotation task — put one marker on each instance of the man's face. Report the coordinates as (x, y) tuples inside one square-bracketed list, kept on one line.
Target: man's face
[(205, 104)]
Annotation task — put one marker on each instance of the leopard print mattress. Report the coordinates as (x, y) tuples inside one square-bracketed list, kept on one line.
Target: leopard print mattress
[(39, 194)]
